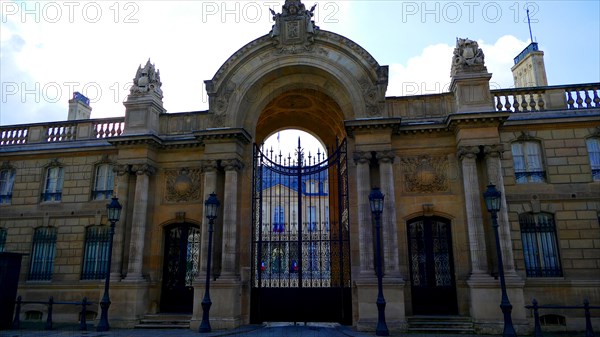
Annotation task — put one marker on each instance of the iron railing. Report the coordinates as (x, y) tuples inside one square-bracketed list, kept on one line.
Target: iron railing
[(50, 304), (537, 332)]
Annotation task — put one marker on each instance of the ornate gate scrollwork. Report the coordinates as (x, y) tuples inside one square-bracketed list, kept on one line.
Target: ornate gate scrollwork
[(301, 243)]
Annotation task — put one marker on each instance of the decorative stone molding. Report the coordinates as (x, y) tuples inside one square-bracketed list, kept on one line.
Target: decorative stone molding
[(122, 169), (526, 136), (209, 165), (147, 80), (494, 150), (425, 174), (294, 30), (183, 185), (385, 156), (141, 169), (468, 57), (469, 152), (6, 165), (361, 157), (232, 164)]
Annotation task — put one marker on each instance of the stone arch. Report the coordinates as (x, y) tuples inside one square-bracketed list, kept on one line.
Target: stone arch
[(259, 72)]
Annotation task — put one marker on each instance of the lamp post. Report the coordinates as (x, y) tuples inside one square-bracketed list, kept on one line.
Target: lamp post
[(114, 213), (376, 201), (211, 205), (493, 201)]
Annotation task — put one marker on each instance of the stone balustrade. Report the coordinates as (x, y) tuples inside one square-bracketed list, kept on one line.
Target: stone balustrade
[(578, 96), (65, 131), (563, 97)]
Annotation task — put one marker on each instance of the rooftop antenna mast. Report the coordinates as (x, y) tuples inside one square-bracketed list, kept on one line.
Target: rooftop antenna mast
[(529, 23)]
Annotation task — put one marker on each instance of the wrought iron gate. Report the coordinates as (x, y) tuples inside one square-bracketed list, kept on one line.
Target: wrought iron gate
[(182, 251), (301, 243), (431, 268)]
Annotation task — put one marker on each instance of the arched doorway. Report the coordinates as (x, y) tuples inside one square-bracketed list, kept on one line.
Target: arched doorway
[(433, 286), (180, 267), (300, 223)]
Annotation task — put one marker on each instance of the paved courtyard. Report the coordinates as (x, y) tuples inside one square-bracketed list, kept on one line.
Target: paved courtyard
[(275, 330)]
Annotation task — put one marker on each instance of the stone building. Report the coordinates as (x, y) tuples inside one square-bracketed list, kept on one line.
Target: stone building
[(431, 155)]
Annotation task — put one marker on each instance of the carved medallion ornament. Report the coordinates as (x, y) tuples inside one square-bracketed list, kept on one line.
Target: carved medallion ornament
[(425, 174), (468, 57), (294, 30), (147, 80), (183, 185)]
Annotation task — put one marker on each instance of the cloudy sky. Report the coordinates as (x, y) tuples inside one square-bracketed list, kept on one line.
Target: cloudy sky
[(51, 48)]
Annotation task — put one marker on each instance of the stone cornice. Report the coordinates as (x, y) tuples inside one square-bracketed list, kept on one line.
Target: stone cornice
[(223, 134), (372, 124), (136, 140), (476, 119)]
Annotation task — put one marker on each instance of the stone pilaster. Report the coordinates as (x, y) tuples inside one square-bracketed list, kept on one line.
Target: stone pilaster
[(494, 173), (468, 156), (209, 168), (365, 233), (230, 217), (388, 217), (121, 191), (139, 219)]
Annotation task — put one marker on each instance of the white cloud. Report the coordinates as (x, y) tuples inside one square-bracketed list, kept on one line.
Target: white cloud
[(429, 72)]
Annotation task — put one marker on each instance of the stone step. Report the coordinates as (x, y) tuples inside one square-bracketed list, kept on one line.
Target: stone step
[(445, 324), (164, 321)]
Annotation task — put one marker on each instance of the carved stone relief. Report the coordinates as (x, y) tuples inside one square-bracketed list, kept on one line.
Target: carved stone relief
[(146, 80), (425, 174), (294, 30), (183, 185), (468, 57)]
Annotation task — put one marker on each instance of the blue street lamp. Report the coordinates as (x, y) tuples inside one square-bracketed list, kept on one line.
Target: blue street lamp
[(114, 213), (211, 206), (493, 202), (376, 201)]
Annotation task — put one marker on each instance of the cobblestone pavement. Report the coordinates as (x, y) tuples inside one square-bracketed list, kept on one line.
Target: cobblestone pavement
[(275, 330)]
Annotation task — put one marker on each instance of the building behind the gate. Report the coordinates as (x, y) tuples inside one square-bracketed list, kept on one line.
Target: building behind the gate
[(431, 155)]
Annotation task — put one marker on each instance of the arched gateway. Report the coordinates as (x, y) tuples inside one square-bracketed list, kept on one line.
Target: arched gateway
[(297, 248)]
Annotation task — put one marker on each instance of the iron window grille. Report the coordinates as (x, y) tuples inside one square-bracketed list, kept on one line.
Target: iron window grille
[(540, 248), (95, 259), (42, 254), (2, 239)]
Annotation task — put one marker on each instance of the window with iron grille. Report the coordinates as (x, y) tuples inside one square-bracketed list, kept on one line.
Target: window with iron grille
[(95, 255), (53, 184), (593, 147), (42, 254), (104, 182), (527, 159), (2, 239), (7, 180), (540, 248)]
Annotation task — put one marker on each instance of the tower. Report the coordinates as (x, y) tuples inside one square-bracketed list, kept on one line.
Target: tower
[(529, 69)]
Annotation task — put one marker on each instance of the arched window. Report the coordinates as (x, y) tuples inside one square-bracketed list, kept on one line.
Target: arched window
[(104, 180), (593, 147), (7, 180), (540, 248), (42, 254), (527, 161), (95, 255)]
